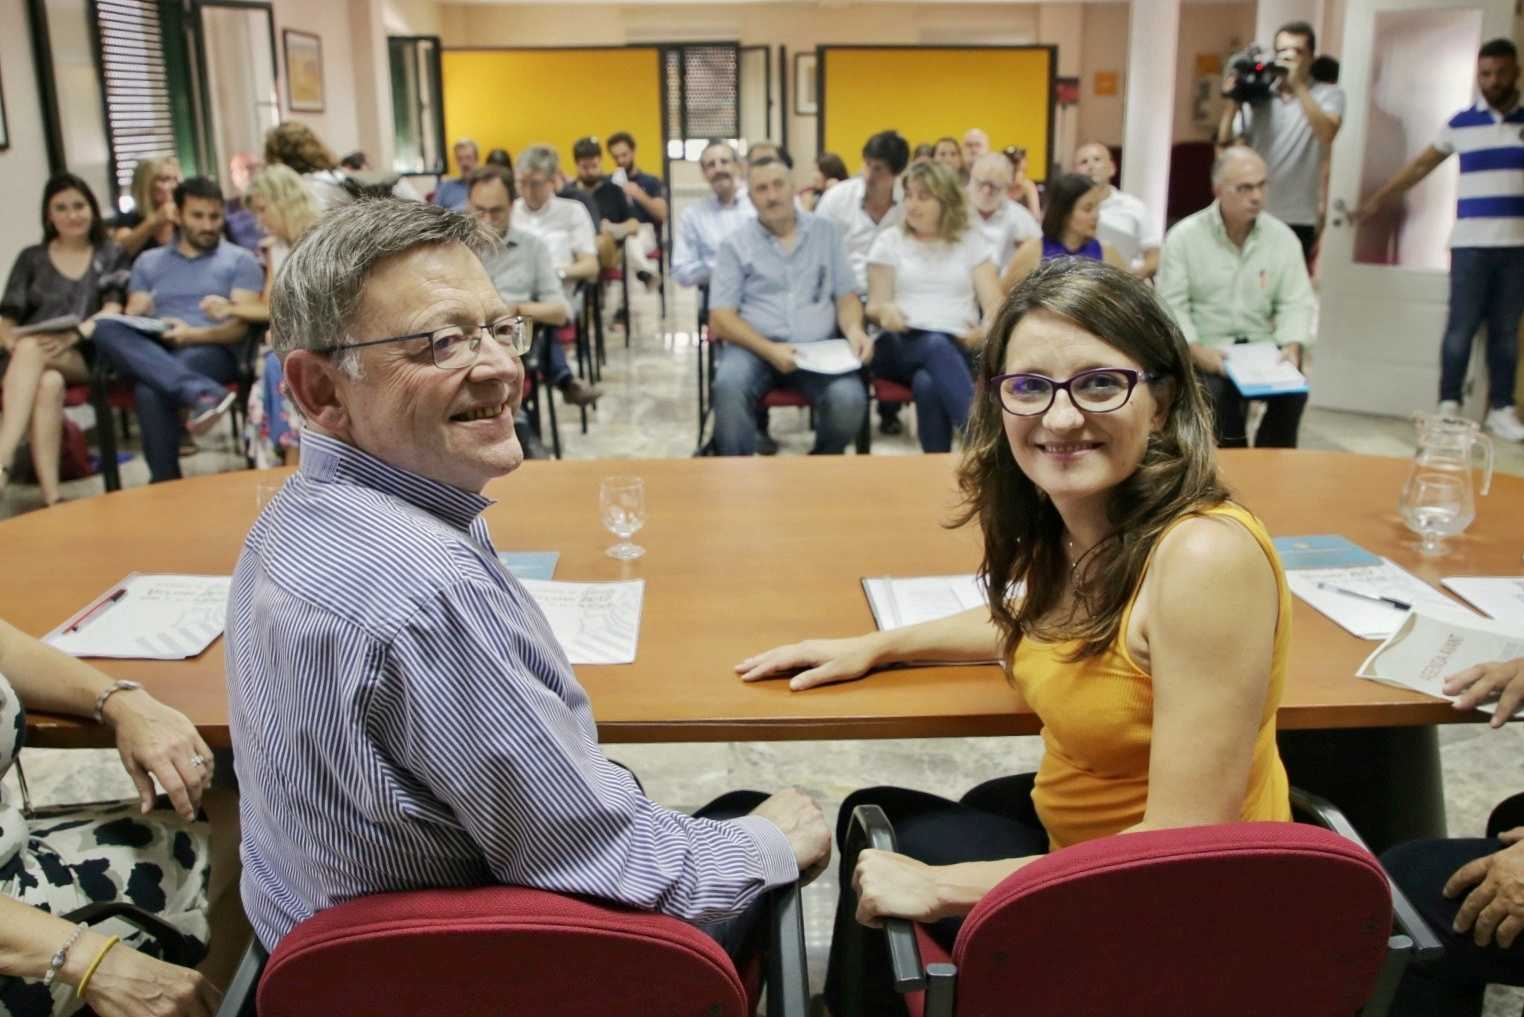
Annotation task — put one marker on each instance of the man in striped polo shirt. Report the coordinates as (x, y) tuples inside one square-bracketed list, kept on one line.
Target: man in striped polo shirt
[(401, 713), (1487, 245)]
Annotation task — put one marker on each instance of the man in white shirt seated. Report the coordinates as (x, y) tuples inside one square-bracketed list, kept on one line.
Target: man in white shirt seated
[(1126, 224), (706, 224), (1002, 223), (563, 224), (976, 145)]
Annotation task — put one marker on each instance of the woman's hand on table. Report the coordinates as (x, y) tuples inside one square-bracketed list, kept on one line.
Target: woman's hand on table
[(818, 661), (130, 983), (157, 741), (1502, 680)]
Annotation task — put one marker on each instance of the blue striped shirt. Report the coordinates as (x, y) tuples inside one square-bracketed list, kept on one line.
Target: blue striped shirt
[(403, 718), (1489, 207)]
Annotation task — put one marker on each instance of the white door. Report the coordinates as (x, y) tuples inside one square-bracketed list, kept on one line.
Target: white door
[(1408, 66)]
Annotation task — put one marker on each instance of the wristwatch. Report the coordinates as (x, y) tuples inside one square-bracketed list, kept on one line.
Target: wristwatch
[(120, 685)]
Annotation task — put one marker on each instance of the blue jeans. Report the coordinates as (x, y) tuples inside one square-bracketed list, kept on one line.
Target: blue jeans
[(933, 365), (741, 380), (1486, 285), (165, 382)]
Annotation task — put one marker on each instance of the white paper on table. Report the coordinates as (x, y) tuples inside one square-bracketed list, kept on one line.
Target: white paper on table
[(828, 356), (160, 617), (1367, 619), (910, 601), (1260, 369), (595, 623), (1499, 597), (1432, 644)]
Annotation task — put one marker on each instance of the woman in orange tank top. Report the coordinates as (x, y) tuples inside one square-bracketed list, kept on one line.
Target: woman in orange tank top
[(1151, 639)]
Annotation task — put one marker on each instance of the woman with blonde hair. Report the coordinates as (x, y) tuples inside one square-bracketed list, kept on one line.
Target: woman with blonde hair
[(152, 220), (286, 210), (927, 283)]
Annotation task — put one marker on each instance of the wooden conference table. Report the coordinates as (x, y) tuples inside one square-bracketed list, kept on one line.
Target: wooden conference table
[(744, 554)]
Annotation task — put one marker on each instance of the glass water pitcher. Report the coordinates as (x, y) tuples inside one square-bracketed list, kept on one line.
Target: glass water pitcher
[(1437, 499)]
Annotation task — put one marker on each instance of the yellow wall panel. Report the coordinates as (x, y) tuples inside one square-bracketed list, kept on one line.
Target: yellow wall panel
[(930, 92), (514, 98)]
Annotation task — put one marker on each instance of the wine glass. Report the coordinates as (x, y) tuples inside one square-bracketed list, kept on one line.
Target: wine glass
[(1436, 507), (622, 504)]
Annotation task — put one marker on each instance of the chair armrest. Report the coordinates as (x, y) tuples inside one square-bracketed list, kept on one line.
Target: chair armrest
[(172, 941), (238, 1001), (1426, 945), (788, 975), (871, 828)]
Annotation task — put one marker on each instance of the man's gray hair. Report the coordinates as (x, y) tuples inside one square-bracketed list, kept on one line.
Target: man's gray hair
[(1227, 156), (318, 291), (539, 159), (463, 142)]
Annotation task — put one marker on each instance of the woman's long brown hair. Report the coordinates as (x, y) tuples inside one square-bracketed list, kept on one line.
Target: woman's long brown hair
[(1023, 533)]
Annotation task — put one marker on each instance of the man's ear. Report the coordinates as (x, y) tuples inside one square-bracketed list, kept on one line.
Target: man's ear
[(318, 391)]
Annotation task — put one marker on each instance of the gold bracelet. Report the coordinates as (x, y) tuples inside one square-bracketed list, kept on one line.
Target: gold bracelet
[(79, 992)]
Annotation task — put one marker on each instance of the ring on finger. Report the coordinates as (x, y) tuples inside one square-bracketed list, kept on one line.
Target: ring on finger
[(198, 760)]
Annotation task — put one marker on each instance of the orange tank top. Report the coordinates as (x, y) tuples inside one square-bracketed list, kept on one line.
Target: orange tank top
[(1097, 717)]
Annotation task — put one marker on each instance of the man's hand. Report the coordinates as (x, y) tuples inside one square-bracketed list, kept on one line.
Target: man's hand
[(781, 357), (802, 822), (974, 337), (1298, 71), (1229, 83), (1291, 353), (1208, 359), (892, 319), (1369, 207), (1501, 679), (179, 333), (1494, 910), (862, 345), (634, 190), (216, 306)]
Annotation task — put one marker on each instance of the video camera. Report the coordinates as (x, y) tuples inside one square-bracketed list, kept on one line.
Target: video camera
[(1256, 72)]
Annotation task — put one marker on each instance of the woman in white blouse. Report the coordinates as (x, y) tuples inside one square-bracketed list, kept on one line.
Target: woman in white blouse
[(928, 282)]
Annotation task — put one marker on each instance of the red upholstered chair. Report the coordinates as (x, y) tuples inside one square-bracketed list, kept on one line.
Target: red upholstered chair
[(883, 391), (1248, 919), (496, 950)]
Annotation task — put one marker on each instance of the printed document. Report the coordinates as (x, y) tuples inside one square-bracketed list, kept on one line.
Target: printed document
[(900, 602), (1501, 598), (1431, 644), (595, 623), (148, 616), (828, 356), (1259, 371), (1327, 560)]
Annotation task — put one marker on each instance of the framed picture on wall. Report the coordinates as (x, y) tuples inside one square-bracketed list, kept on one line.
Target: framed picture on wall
[(806, 102), (304, 71)]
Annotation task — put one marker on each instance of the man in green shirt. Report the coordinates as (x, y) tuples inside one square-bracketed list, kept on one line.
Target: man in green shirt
[(1233, 273)]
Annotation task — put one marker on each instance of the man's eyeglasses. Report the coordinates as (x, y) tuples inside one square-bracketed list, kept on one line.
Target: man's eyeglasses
[(1102, 390), (455, 347), (986, 185)]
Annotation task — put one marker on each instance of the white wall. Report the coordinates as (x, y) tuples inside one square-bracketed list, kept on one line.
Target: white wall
[(338, 124), (24, 165)]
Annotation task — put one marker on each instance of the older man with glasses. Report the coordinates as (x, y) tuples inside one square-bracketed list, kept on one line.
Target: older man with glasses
[(403, 714), (1004, 224)]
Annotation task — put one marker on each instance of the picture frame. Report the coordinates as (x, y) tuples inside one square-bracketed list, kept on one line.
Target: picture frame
[(806, 97), (304, 71), (5, 126)]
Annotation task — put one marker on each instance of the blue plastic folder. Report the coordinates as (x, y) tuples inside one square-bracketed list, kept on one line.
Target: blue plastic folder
[(530, 564), (1326, 551)]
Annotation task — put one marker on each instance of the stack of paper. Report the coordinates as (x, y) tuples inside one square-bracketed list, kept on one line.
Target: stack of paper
[(900, 602), (1432, 644), (1358, 579), (148, 617), (62, 323), (153, 326), (1259, 370), (828, 356), (595, 623), (1501, 598)]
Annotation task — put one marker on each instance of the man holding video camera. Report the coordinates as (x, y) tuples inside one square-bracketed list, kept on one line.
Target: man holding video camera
[(1289, 123)]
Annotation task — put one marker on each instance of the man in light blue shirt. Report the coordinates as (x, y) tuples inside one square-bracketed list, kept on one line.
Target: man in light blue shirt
[(783, 279), (454, 192), (184, 368), (706, 225)]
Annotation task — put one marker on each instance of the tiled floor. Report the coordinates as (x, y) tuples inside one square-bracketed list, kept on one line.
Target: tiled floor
[(648, 411)]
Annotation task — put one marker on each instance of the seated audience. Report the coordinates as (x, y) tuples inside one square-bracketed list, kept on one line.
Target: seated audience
[(779, 280), (1470, 891), (500, 157), (648, 201), (173, 864), (868, 204), (927, 281), (525, 276), (286, 211), (950, 154), (356, 162), (924, 152), (829, 171), (976, 144), (1125, 221), (75, 272), (456, 748), (452, 192), (563, 224), (616, 215), (187, 366), (1141, 613), (1023, 190), (1233, 273), (706, 224), (151, 220), (294, 144), (766, 149), (1069, 229), (240, 224), (1002, 223)]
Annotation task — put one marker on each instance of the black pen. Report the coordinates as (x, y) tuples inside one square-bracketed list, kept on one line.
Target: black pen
[(97, 609), (1400, 605)]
